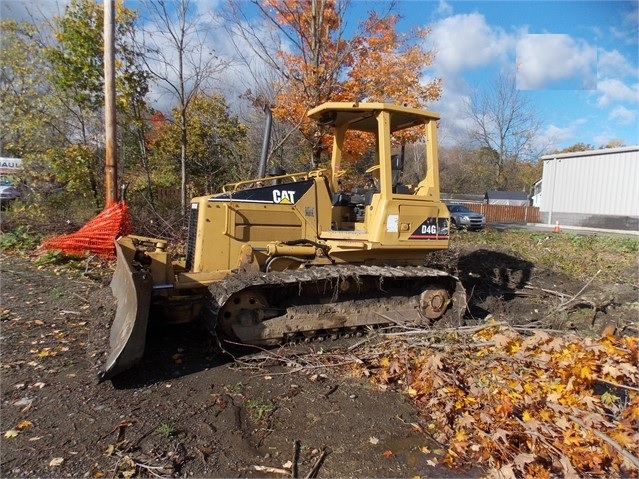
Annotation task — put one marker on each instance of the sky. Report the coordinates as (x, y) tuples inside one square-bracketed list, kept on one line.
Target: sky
[(575, 61)]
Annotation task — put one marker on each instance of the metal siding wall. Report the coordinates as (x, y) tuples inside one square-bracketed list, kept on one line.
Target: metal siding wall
[(547, 186), (606, 184), (629, 194)]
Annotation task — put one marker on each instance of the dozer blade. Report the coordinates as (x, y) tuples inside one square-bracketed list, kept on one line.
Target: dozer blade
[(132, 290)]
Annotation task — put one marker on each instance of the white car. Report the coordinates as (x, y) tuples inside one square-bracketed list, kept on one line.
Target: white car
[(462, 217)]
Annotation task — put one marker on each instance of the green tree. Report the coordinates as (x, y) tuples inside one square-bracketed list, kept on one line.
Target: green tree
[(77, 71), (217, 144), (31, 120)]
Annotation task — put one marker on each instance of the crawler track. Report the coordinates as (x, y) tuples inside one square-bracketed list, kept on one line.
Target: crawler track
[(276, 307)]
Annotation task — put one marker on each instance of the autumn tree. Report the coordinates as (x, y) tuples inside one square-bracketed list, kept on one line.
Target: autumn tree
[(216, 139), (504, 124), (181, 63), (613, 143), (466, 170), (576, 147), (317, 61)]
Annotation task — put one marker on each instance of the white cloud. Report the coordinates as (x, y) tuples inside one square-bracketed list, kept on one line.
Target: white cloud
[(453, 124), (553, 136), (626, 31), (615, 90), (613, 64), (603, 138), (444, 9), (558, 134), (546, 58), (623, 115), (467, 41)]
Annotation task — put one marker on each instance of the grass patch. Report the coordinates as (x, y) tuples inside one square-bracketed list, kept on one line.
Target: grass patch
[(259, 408), (21, 239), (578, 256), (236, 389), (166, 430)]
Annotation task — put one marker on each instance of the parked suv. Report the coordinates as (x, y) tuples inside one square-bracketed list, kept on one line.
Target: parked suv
[(463, 217), (8, 192)]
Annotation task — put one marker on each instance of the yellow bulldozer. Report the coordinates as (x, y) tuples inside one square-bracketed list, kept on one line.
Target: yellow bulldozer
[(292, 256)]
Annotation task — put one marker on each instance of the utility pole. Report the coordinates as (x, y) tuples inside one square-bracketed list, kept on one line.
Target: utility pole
[(111, 152)]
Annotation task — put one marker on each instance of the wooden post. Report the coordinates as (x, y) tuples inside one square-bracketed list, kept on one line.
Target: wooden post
[(111, 153)]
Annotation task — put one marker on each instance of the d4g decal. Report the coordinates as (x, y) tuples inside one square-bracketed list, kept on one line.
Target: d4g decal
[(431, 228)]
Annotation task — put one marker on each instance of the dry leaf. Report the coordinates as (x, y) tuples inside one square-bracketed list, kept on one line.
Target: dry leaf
[(24, 425), (611, 371), (387, 453), (569, 471), (434, 362), (522, 459), (506, 472), (465, 420), (501, 340)]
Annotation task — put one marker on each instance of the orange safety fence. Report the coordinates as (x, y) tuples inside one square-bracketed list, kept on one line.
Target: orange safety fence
[(97, 235)]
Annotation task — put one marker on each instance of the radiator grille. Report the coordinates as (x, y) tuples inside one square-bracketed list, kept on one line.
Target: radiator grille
[(190, 242)]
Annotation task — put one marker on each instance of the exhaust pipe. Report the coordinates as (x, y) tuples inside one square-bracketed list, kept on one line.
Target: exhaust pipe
[(266, 142)]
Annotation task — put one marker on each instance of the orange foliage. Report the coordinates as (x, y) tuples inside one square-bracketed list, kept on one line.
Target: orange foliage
[(533, 406), (375, 64), (387, 67)]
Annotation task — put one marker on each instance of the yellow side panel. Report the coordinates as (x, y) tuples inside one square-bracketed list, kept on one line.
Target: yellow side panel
[(226, 225), (255, 223), (214, 254)]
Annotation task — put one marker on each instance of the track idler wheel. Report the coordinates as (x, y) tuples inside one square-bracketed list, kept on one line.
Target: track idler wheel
[(434, 302), (243, 308)]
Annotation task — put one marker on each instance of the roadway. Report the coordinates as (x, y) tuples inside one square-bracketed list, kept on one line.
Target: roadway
[(565, 229)]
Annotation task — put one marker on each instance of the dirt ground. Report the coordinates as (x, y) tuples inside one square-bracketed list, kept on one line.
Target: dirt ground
[(187, 412)]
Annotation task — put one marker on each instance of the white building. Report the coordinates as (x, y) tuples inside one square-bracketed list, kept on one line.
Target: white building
[(597, 189)]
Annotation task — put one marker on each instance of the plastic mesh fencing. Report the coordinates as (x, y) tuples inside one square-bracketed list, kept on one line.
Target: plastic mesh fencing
[(97, 235)]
